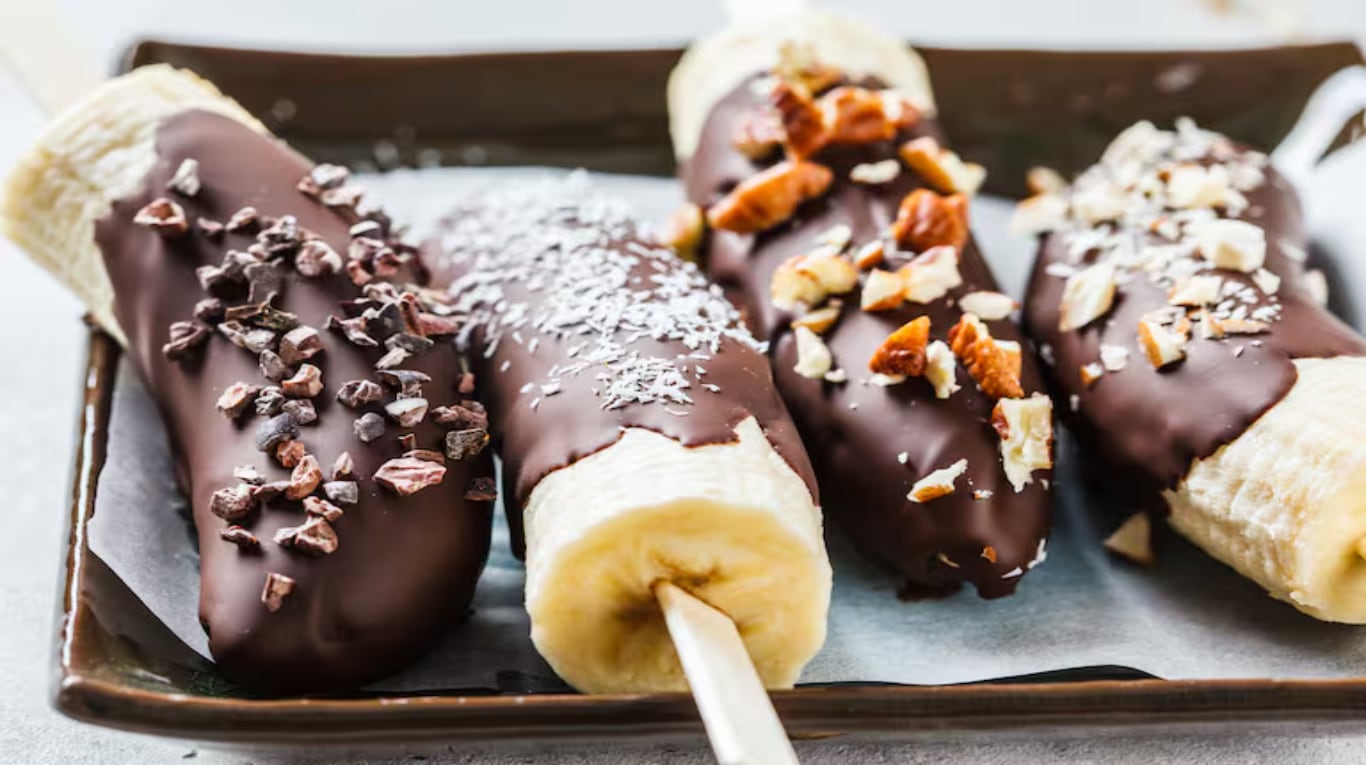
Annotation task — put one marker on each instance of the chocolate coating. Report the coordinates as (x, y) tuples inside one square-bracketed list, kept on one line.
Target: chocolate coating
[(1149, 425), (855, 430), (572, 423), (405, 567)]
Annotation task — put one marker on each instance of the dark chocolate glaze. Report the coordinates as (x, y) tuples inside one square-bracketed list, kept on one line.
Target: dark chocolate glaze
[(406, 566), (856, 431), (1149, 425), (571, 424)]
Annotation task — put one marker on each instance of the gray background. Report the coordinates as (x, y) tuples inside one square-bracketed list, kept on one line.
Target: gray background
[(43, 341)]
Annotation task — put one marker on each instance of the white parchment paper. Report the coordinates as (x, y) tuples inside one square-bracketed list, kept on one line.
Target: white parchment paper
[(1190, 617)]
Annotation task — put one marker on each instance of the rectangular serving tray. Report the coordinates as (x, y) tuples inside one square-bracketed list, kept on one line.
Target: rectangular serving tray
[(118, 666)]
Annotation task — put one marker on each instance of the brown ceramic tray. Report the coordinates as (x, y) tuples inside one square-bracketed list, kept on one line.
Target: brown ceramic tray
[(118, 666)]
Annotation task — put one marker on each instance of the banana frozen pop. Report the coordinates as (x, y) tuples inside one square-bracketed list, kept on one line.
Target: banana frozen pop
[(642, 437), (1191, 346), (308, 387), (839, 222)]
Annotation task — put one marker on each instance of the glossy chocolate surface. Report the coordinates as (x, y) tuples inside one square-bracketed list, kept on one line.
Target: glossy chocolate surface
[(856, 430), (543, 419), (405, 567), (1148, 425)]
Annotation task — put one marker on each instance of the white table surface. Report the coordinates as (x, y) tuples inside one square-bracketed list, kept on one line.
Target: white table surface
[(43, 339)]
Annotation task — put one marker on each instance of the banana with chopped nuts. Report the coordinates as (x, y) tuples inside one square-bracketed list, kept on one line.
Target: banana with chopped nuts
[(1190, 340), (213, 252)]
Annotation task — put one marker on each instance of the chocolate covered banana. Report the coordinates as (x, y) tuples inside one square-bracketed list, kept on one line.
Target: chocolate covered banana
[(642, 440), (309, 389), (839, 223), (1192, 350)]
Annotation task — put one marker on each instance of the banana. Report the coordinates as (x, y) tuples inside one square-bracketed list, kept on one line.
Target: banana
[(731, 523), (96, 152), (714, 65), (1284, 504)]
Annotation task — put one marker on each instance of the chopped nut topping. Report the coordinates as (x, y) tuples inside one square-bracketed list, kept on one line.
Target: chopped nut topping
[(926, 219), (277, 588), (209, 310), (1190, 185), (239, 536), (1266, 281), (870, 254), (271, 432), (1233, 244), (931, 274), (301, 409), (357, 393), (821, 319), (430, 455), (273, 367), (988, 306), (813, 357), (304, 478), (759, 135), (1038, 214), (467, 414), (341, 492), (248, 474), (270, 402), (1198, 290), (1162, 345), (942, 168), (856, 115), (941, 369), (290, 452), (903, 352), (405, 475), (1044, 180), (939, 483), (300, 344), (684, 230), (808, 279), (803, 124), (1091, 372), (234, 502), (236, 398), (369, 427), (874, 173), (1133, 540), (995, 365), (1114, 357), (1100, 203), (988, 554), (322, 508), (250, 340), (466, 443), (407, 412), (1089, 295), (836, 376), (771, 197), (344, 467), (481, 490), (186, 178), (315, 537), (883, 291), (1025, 426), (164, 217), (209, 228), (185, 337), (306, 383), (242, 220), (317, 258)]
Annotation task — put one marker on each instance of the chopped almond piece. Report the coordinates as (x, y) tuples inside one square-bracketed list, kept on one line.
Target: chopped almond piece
[(821, 319), (837, 236), (988, 306), (759, 135), (926, 219), (1091, 372), (1089, 294), (856, 115), (939, 483), (771, 197), (683, 231), (1222, 327), (1114, 357), (1044, 180), (1162, 345), (941, 370), (874, 173), (1198, 290), (942, 168), (836, 376), (808, 279), (903, 352), (1025, 426), (813, 357), (883, 291), (931, 274), (870, 254), (802, 121), (886, 381), (902, 114), (1191, 185), (1100, 204), (1266, 281), (1133, 540), (1233, 244), (996, 366), (1038, 214)]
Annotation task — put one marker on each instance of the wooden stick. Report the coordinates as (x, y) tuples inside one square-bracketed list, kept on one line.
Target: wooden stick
[(743, 726), (51, 65)]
